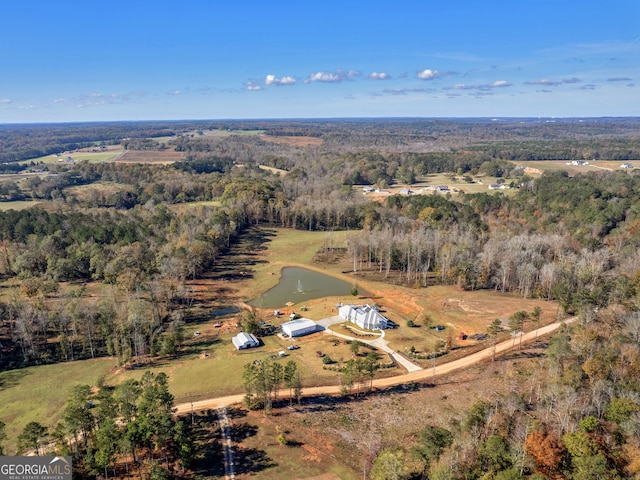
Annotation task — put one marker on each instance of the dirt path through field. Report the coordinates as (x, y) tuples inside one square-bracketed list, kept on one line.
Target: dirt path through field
[(416, 376)]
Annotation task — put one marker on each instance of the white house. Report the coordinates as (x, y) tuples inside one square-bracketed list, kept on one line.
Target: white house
[(497, 186), (364, 316), (626, 165), (298, 327), (245, 340)]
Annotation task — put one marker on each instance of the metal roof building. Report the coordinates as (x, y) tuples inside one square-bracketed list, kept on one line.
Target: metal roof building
[(299, 327), (245, 340)]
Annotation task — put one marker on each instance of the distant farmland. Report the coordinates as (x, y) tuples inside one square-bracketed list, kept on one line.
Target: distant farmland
[(150, 156)]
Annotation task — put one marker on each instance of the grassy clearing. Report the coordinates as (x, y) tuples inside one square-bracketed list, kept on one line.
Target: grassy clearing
[(39, 393), (289, 247), (93, 157), (203, 369), (179, 207), (301, 458), (228, 133), (277, 171), (85, 192), (151, 156), (17, 205)]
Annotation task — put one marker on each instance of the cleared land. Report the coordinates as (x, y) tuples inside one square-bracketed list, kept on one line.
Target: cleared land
[(18, 205), (293, 140), (202, 368), (79, 155), (150, 156), (40, 393)]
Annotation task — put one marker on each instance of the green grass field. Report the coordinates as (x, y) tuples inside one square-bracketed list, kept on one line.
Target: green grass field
[(96, 157), (39, 393)]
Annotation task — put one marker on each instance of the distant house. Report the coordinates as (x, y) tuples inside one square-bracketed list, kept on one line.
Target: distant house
[(579, 163), (442, 188), (245, 340), (626, 165), (497, 186), (364, 316), (405, 191), (298, 327)]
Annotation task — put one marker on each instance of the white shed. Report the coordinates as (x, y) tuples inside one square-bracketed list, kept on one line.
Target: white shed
[(245, 340), (299, 327)]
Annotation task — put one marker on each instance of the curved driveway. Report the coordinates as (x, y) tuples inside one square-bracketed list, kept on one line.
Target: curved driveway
[(410, 377), (378, 342)]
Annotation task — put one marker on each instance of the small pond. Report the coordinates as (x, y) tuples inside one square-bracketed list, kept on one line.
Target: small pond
[(299, 284)]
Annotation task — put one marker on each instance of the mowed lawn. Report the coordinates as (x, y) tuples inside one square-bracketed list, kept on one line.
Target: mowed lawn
[(40, 393), (210, 366)]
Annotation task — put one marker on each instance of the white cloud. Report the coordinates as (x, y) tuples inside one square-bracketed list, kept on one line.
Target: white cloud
[(333, 77), (403, 91), (428, 74), (273, 80), (4, 101), (483, 87), (324, 77), (379, 76), (552, 83), (175, 92), (543, 81), (252, 86)]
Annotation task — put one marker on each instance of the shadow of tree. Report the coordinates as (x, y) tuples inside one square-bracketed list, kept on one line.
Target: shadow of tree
[(242, 431), (12, 377), (252, 460), (208, 454)]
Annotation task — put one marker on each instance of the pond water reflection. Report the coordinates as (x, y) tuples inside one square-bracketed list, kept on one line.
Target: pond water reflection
[(299, 284)]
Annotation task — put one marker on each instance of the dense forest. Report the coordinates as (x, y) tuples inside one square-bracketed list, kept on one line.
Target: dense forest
[(570, 239)]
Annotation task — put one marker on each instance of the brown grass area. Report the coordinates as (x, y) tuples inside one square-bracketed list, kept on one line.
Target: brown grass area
[(85, 192), (150, 156), (358, 429), (293, 141), (309, 458)]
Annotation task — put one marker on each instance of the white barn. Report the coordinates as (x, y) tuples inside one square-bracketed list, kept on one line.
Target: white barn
[(298, 327), (245, 340), (364, 316)]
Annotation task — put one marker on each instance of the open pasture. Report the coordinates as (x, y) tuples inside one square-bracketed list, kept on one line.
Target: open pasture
[(40, 393), (77, 156), (150, 156)]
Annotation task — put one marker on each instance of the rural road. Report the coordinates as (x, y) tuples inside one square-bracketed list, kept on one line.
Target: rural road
[(415, 376), (229, 466)]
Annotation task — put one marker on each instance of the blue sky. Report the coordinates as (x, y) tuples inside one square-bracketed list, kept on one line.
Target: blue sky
[(142, 60)]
